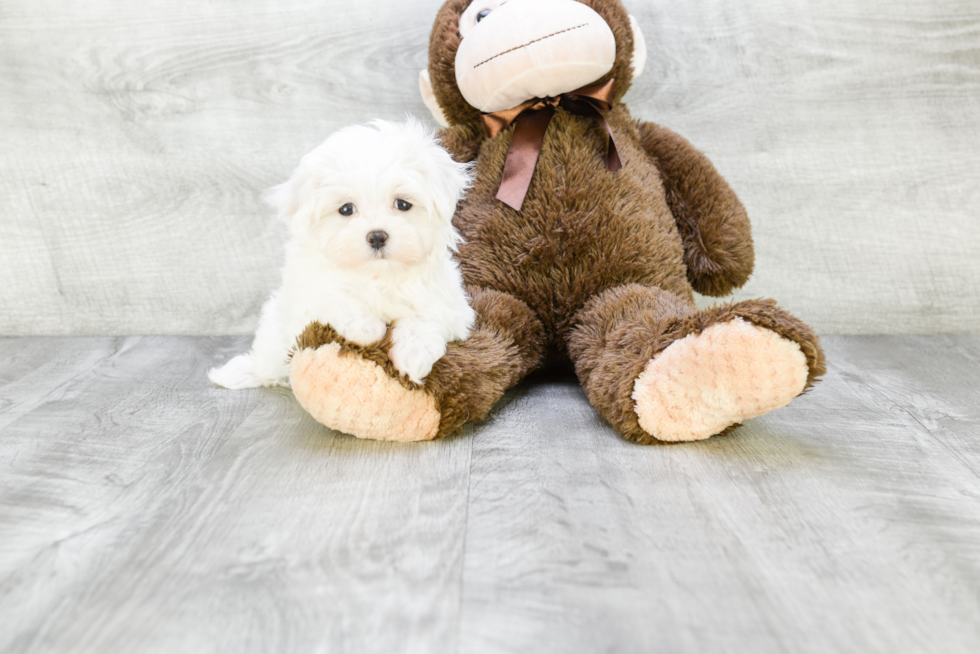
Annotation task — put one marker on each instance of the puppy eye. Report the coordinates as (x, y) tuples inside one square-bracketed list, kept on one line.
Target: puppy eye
[(483, 14), (347, 210), (402, 205)]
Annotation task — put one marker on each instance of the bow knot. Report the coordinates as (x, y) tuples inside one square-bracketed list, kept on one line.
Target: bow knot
[(532, 119)]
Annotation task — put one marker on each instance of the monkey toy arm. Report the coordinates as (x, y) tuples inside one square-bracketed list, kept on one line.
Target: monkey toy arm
[(712, 221)]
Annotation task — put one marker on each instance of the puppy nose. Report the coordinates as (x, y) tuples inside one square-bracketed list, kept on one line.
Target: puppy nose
[(377, 239)]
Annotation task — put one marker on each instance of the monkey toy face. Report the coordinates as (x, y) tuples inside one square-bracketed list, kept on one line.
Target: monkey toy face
[(492, 55), (532, 48)]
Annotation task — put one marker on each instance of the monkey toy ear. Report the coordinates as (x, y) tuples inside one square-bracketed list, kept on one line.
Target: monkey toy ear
[(639, 48), (429, 98)]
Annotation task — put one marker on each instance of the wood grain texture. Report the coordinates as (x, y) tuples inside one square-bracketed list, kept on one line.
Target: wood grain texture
[(142, 510), (138, 138), (845, 522)]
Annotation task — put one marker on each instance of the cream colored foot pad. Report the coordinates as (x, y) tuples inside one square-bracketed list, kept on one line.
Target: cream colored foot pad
[(357, 397), (703, 383)]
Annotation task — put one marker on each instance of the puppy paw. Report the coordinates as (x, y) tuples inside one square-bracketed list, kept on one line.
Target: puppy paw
[(363, 330), (414, 354)]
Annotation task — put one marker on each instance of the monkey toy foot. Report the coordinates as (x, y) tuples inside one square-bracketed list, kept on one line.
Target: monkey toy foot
[(704, 383), (356, 389)]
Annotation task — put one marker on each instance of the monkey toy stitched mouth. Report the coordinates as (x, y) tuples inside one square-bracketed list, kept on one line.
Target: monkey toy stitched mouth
[(529, 43), (526, 49)]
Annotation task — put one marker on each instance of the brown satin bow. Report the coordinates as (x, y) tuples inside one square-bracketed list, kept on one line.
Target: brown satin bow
[(533, 118)]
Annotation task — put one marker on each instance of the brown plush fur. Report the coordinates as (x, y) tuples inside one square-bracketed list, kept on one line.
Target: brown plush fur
[(718, 249), (507, 342), (620, 330), (598, 268)]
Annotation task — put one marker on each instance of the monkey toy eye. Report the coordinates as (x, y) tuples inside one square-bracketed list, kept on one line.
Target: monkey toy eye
[(483, 14), (347, 210), (402, 205)]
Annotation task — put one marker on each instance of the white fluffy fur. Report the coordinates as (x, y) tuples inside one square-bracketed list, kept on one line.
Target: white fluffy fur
[(334, 276)]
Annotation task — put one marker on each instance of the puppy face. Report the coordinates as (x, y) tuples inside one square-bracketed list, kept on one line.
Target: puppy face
[(375, 197)]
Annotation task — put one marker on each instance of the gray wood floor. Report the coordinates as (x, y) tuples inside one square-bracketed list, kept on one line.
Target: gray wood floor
[(142, 510)]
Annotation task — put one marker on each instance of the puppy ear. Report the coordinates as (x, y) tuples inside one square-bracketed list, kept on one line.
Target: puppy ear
[(448, 180), (295, 200)]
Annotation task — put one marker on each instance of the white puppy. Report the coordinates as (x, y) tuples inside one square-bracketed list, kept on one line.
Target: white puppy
[(369, 213)]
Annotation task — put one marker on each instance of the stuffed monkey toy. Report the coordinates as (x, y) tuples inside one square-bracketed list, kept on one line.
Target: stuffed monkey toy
[(586, 235)]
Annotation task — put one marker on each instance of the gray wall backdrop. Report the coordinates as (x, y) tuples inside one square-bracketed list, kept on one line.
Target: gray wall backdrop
[(137, 138)]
